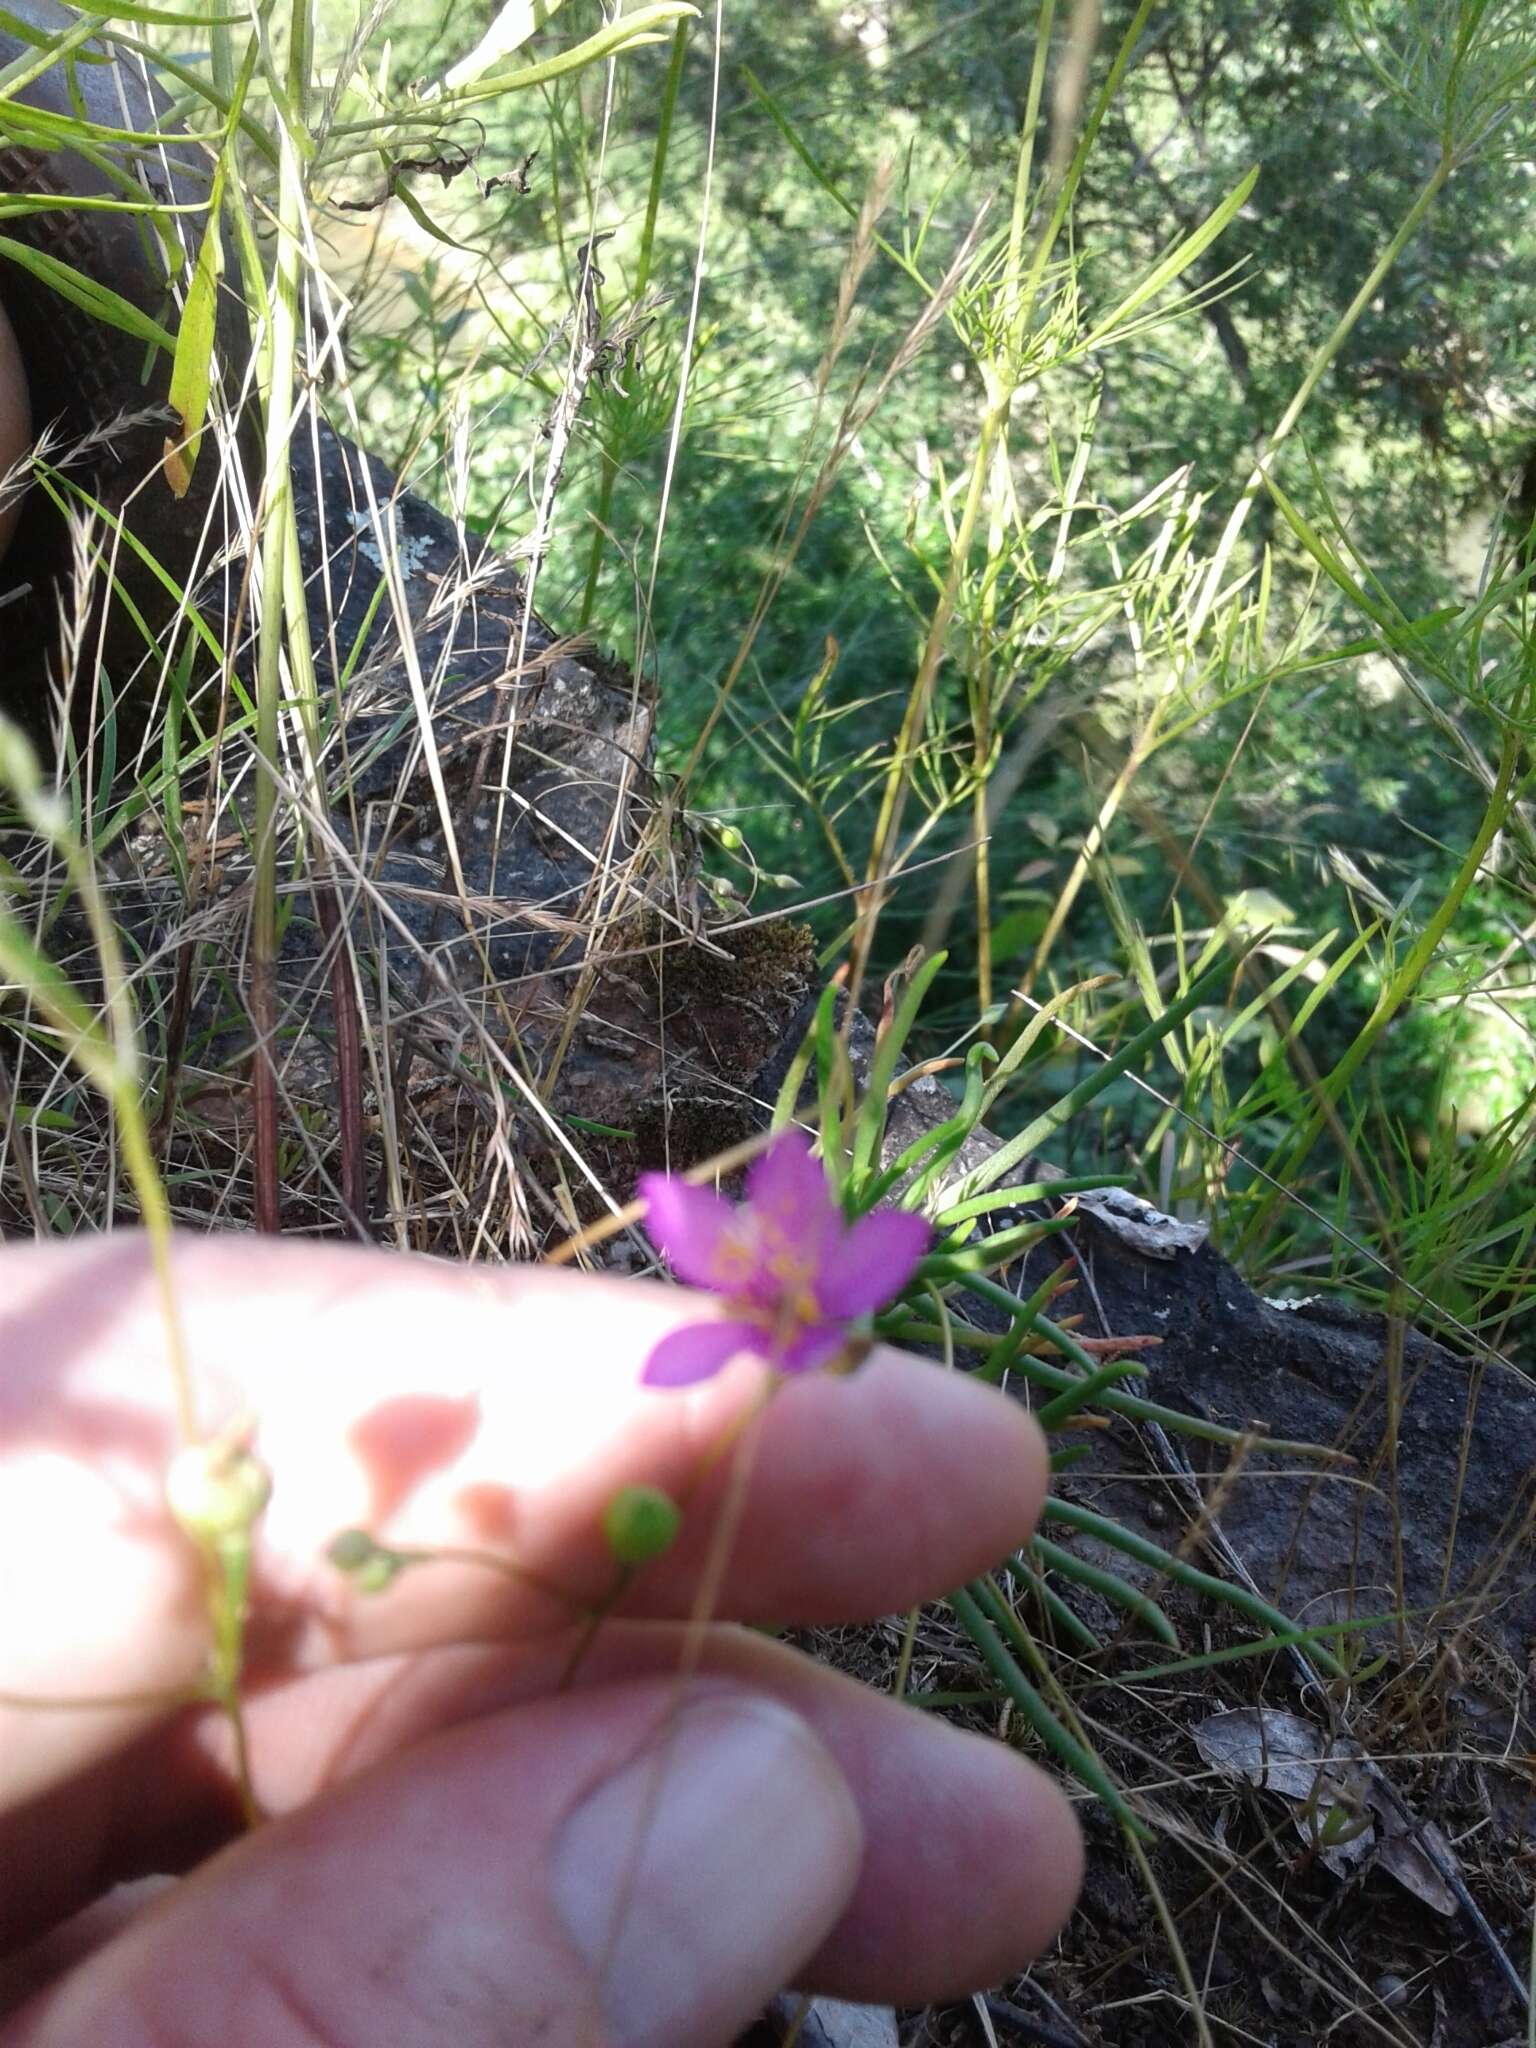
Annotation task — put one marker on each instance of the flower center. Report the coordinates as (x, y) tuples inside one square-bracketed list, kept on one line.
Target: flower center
[(772, 1277)]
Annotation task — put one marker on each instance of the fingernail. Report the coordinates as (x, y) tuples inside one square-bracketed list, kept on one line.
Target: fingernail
[(700, 1876)]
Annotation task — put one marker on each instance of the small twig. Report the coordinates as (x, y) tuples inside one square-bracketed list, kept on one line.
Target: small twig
[(1032, 2029)]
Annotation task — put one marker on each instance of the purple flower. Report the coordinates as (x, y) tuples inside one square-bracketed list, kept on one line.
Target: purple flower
[(795, 1274)]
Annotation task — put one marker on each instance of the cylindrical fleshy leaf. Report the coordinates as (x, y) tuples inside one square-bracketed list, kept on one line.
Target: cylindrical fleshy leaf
[(698, 1351), (873, 1262)]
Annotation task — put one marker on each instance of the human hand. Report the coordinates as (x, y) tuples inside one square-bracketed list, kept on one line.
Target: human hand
[(457, 1852)]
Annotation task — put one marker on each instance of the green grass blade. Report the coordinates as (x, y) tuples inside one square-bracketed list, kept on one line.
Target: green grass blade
[(1073, 1103), (1071, 1516), (970, 1605), (1113, 1588)]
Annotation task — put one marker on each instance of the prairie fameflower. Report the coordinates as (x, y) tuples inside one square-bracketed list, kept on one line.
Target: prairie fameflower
[(795, 1273)]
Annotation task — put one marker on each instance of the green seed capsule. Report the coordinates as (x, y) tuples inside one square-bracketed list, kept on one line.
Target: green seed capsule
[(352, 1549), (380, 1571), (367, 1563), (639, 1523)]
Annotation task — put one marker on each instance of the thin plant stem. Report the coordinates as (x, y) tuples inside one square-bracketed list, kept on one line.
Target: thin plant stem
[(276, 555)]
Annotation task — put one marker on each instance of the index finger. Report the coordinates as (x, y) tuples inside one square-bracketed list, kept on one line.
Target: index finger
[(490, 1410)]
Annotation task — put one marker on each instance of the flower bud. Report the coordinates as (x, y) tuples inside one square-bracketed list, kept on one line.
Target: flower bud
[(217, 1489)]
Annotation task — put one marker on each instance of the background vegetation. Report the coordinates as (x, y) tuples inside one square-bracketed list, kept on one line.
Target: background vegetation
[(1313, 759)]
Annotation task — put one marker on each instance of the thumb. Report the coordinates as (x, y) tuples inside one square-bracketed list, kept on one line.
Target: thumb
[(626, 1866)]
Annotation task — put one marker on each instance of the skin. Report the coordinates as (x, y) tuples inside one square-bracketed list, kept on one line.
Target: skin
[(438, 1861), (15, 419)]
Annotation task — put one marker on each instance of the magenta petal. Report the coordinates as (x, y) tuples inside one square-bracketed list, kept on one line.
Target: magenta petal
[(787, 1189), (697, 1352), (874, 1262), (688, 1224)]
